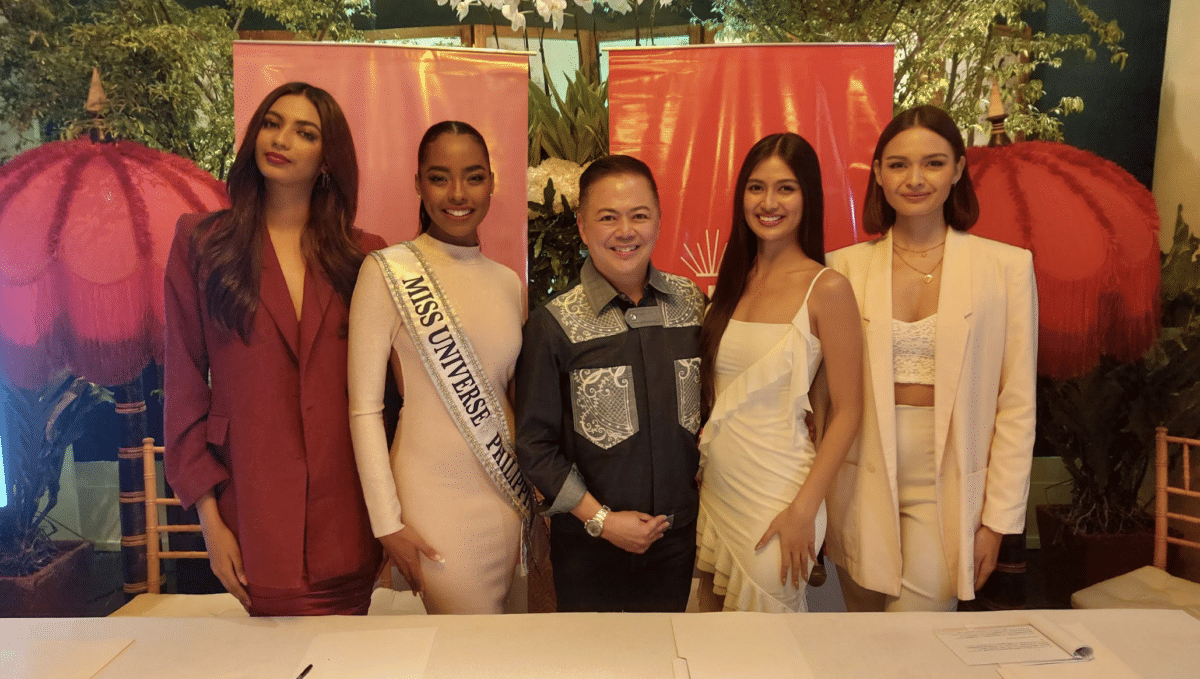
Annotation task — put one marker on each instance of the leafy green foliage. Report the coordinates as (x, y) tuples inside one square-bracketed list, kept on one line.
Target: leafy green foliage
[(556, 252), (1103, 423), (167, 73), (311, 19), (167, 70), (947, 51), (42, 424), (573, 127)]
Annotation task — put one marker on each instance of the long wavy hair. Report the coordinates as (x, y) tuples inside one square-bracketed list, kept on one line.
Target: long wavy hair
[(961, 209), (227, 246), (742, 248), (436, 130)]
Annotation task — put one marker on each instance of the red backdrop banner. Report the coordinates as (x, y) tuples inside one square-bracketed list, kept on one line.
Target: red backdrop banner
[(692, 113), (391, 95)]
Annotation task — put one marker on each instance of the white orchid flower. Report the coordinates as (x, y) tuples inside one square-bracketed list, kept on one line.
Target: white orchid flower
[(585, 4), (621, 6), (510, 12), (459, 6), (551, 10)]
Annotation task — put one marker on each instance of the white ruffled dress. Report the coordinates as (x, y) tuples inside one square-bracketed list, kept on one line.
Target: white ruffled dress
[(755, 454)]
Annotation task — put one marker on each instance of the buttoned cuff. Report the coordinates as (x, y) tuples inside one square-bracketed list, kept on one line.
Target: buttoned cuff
[(570, 494)]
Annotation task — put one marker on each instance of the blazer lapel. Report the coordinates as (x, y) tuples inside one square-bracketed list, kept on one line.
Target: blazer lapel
[(877, 312), (273, 293), (953, 331), (317, 295)]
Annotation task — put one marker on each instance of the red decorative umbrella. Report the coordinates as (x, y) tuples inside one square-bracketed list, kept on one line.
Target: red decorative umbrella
[(1093, 231), (85, 229)]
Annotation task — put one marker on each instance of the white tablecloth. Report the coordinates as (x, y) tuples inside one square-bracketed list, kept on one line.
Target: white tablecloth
[(1157, 644)]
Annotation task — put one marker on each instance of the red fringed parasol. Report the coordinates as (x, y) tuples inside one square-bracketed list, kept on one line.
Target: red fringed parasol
[(85, 228), (1093, 231)]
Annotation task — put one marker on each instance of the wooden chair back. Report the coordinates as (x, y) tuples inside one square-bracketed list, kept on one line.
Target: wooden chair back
[(154, 530), (1163, 491)]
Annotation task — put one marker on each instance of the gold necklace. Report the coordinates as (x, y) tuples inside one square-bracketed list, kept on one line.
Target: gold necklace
[(927, 274), (923, 253)]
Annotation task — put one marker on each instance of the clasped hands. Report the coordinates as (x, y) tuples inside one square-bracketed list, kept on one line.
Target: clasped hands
[(634, 531)]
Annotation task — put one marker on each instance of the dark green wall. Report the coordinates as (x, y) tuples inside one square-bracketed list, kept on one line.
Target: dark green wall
[(1120, 116)]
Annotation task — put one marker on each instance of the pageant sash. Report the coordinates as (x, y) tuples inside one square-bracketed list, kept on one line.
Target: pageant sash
[(452, 364)]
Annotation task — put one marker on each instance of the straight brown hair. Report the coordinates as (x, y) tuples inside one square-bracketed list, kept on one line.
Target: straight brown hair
[(961, 209)]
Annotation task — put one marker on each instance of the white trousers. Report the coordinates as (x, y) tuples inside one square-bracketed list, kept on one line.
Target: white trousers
[(925, 583)]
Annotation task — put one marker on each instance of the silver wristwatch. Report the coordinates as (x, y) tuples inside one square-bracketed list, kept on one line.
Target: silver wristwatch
[(595, 525)]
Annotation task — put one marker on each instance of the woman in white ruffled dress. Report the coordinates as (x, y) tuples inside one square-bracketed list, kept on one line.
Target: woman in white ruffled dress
[(777, 312)]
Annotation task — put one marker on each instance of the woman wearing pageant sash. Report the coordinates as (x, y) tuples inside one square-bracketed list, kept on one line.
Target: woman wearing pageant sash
[(448, 502), (941, 469), (257, 433), (776, 313)]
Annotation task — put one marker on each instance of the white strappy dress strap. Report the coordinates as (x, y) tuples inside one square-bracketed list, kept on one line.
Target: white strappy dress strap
[(777, 365), (812, 284)]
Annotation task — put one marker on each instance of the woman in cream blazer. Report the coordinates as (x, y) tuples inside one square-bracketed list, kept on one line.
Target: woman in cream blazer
[(940, 470)]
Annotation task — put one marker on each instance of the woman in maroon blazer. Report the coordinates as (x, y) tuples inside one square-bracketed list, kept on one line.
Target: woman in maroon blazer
[(257, 430)]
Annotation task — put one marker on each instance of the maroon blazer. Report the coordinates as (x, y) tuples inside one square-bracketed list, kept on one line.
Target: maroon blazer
[(272, 433)]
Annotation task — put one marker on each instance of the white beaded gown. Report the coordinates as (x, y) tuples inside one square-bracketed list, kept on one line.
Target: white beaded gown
[(430, 479)]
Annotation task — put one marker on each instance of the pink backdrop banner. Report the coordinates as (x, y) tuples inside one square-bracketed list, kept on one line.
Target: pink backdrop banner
[(391, 95), (692, 113)]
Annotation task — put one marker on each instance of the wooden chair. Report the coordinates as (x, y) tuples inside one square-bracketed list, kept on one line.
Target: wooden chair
[(1152, 586), (153, 603), (154, 530), (384, 601)]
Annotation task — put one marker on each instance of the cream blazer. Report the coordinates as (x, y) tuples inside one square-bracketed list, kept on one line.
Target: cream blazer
[(984, 413)]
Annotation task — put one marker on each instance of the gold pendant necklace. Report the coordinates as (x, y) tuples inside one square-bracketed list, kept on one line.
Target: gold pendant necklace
[(928, 275)]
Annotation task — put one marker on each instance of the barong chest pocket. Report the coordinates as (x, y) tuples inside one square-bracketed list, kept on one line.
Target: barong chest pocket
[(687, 392), (605, 404)]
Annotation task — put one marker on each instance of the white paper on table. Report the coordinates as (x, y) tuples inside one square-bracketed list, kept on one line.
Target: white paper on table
[(59, 658), (721, 645), (398, 653), (1039, 641), (1105, 664)]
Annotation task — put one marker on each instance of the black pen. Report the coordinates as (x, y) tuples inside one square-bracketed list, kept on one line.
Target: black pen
[(305, 672)]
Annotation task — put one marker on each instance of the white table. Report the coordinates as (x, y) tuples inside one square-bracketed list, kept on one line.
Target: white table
[(1157, 644)]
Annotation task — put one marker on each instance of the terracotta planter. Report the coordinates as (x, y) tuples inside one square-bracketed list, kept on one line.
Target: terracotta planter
[(1073, 561), (57, 591)]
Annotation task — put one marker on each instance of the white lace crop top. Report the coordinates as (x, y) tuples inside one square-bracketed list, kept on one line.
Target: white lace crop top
[(912, 350)]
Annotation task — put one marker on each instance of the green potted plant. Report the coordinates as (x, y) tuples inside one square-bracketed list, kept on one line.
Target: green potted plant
[(565, 134), (39, 576), (1102, 426)]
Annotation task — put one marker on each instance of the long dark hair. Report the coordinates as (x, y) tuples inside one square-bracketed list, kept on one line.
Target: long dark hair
[(436, 130), (227, 246), (961, 208), (742, 248)]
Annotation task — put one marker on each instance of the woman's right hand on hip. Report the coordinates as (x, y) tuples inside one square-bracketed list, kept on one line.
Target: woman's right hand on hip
[(404, 548)]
